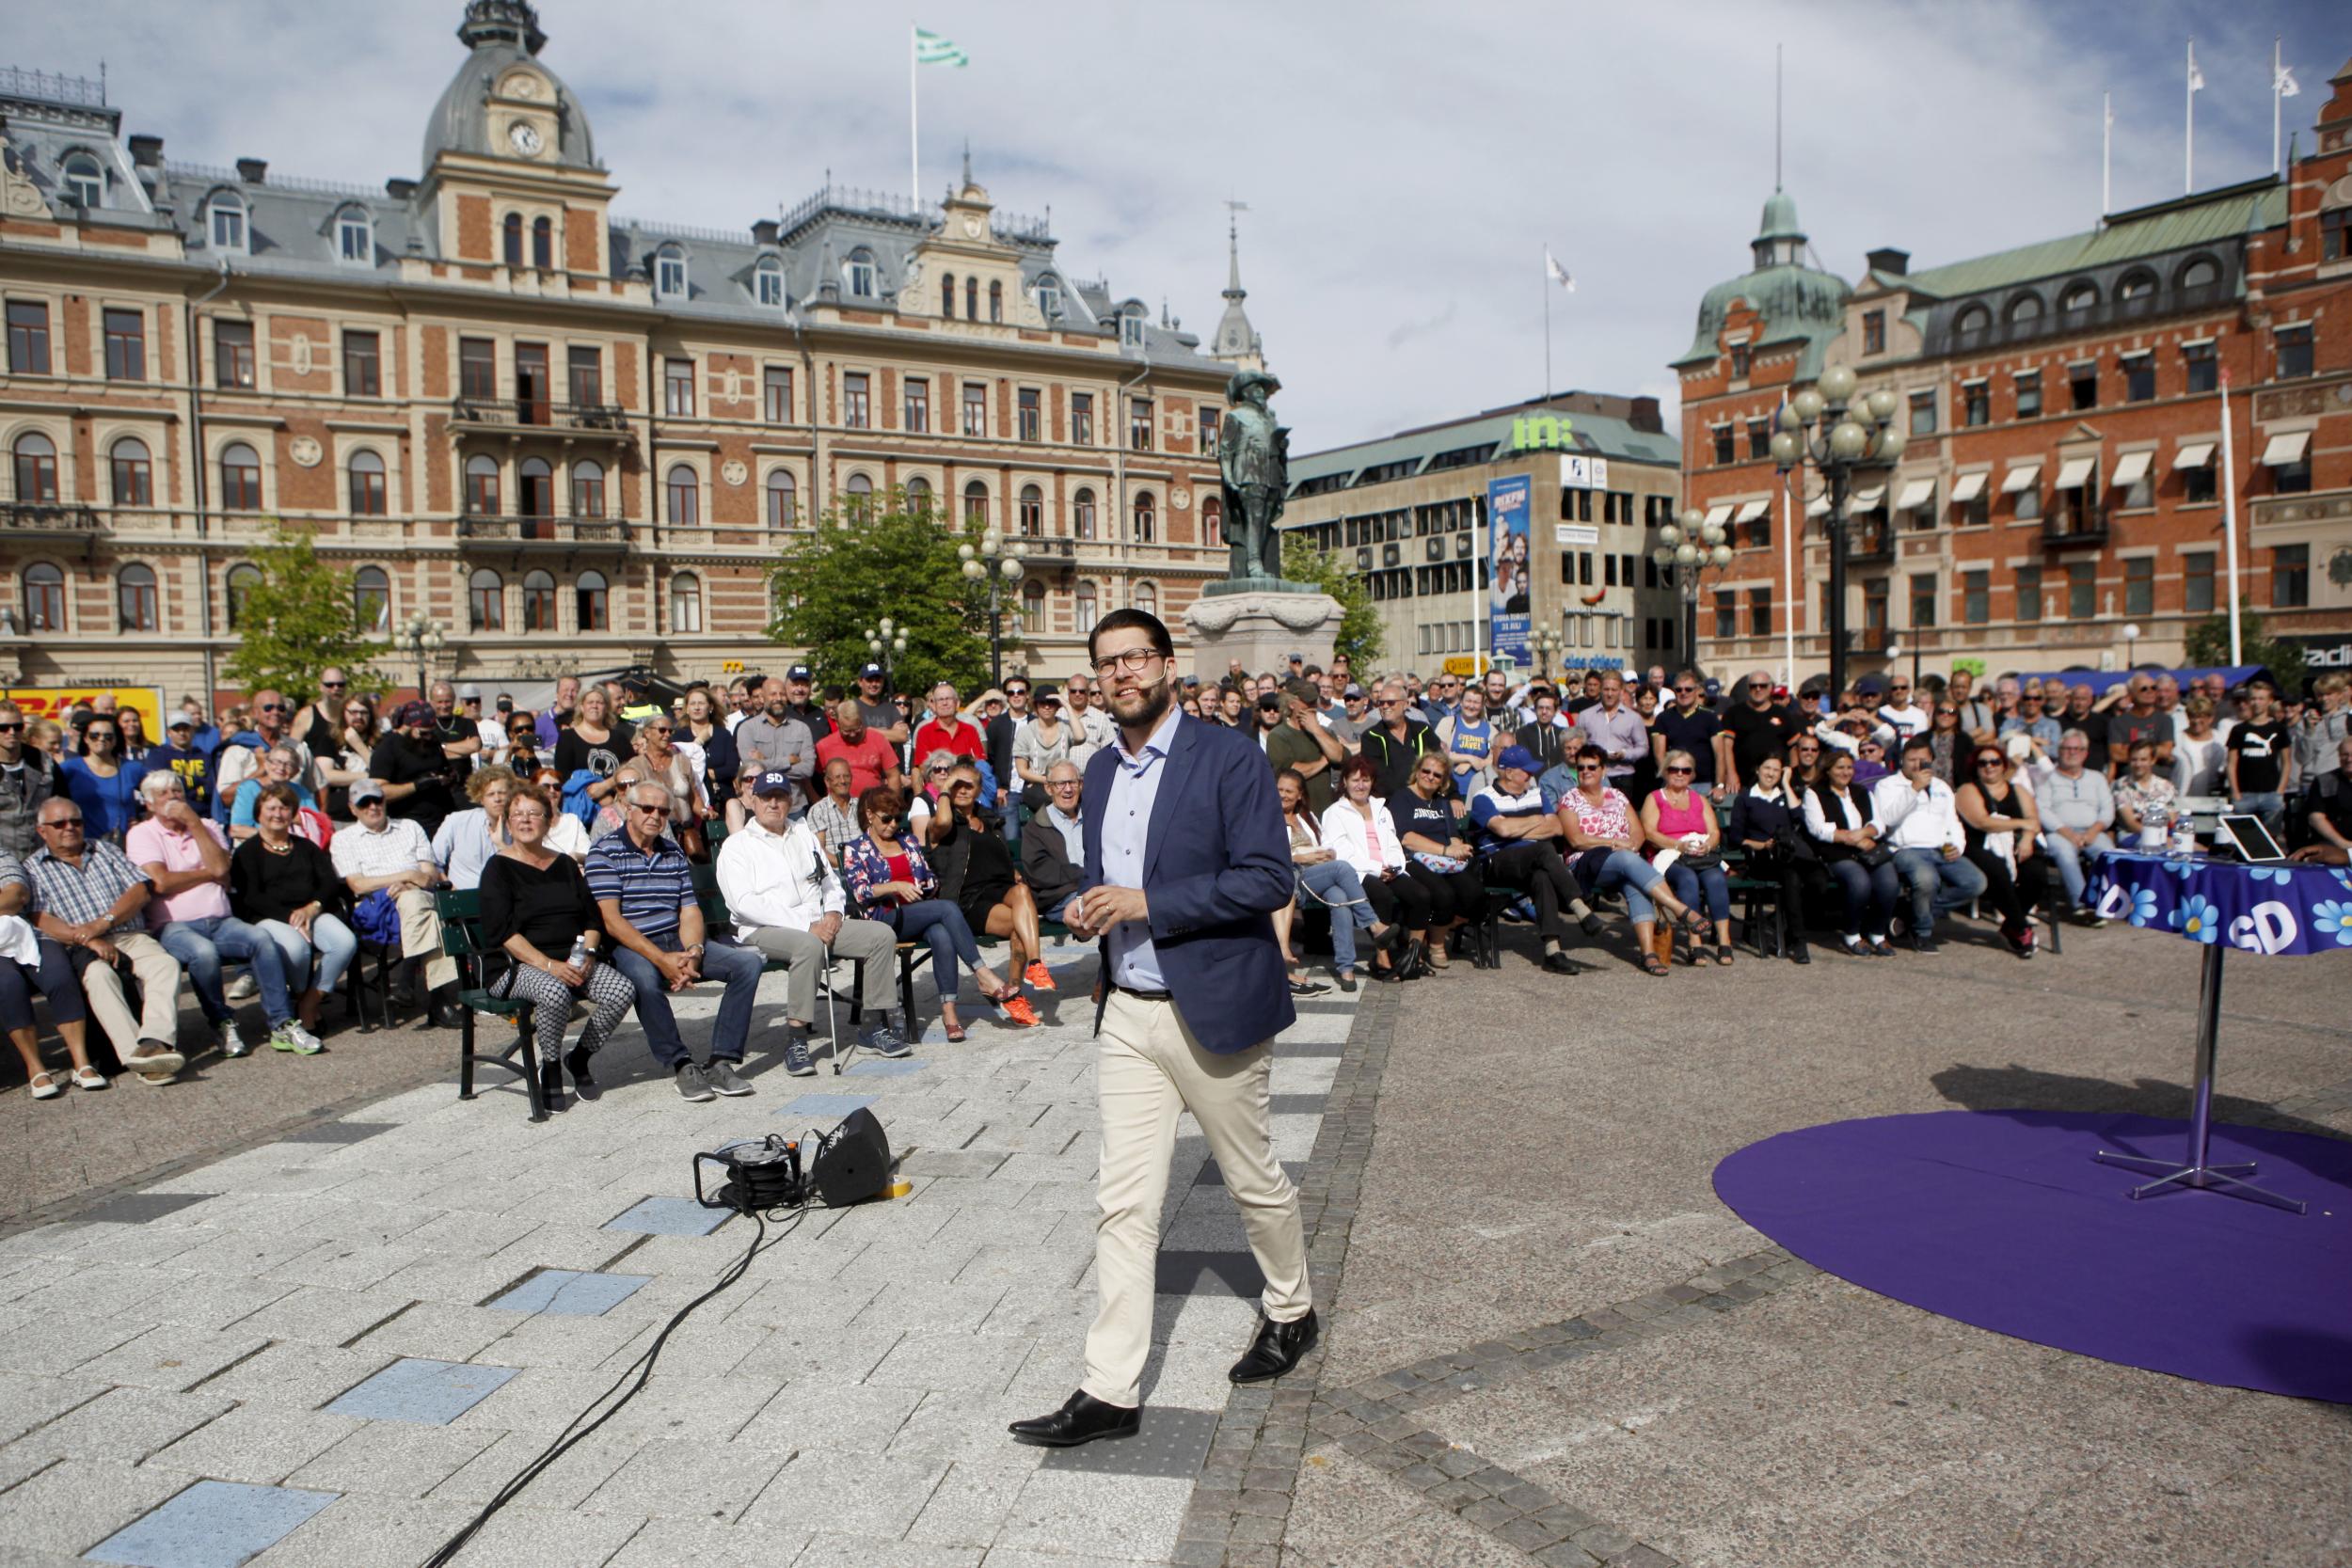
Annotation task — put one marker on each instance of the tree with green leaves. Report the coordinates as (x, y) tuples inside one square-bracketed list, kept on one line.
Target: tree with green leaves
[(299, 620), (2208, 647), (1361, 636), (858, 566)]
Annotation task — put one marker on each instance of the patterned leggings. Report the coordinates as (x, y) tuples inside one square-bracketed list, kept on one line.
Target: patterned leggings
[(609, 994)]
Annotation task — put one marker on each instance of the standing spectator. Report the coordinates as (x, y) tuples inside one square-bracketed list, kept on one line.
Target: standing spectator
[(285, 887), (2200, 758), (1092, 721), (2145, 798), (1038, 747), (1922, 827), (2326, 721), (2330, 815), (1470, 742), (535, 904), (873, 760), (30, 961), (1690, 726), (2078, 807), (595, 742), (468, 839), (411, 767), (1951, 743), (1354, 718), (315, 724), (1000, 732), (883, 716), (2081, 713), (135, 744), (553, 720), (834, 817), (1398, 740), (241, 757), (776, 741), (347, 764), (895, 884), (382, 854), (520, 754), (1680, 817), (1599, 825), (1998, 819), (460, 734), (944, 731), (1977, 718), (2030, 720), (799, 704), (645, 889), (2261, 761), (1759, 727), (742, 701), (1053, 851), (1839, 816), (2138, 719), (26, 780), (1298, 741), (666, 763), (89, 899), (1767, 823), (720, 759), (105, 785), (1900, 712), (185, 861), (1543, 737), (179, 756)]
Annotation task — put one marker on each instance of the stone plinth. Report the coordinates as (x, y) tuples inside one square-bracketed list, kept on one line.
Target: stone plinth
[(1262, 629)]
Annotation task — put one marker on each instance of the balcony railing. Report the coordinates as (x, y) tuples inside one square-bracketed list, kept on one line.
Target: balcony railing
[(1869, 543), (1872, 640), (545, 530), (47, 517), (2084, 525), (524, 413)]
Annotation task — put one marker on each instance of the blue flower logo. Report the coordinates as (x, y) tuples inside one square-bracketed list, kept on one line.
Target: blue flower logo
[(2342, 875), (2198, 918), (2143, 907), (2334, 919), (2183, 869), (2273, 874)]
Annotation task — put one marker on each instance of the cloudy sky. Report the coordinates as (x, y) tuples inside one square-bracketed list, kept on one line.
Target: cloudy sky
[(1405, 164)]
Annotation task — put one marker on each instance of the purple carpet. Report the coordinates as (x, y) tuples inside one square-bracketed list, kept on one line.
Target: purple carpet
[(2001, 1219)]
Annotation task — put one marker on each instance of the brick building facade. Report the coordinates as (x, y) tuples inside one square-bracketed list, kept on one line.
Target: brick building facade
[(574, 440), (2063, 477)]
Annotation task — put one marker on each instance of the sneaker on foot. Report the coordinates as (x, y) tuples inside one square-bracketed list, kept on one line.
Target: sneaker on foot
[(243, 989), (884, 1040), (583, 1083), (292, 1037), (1038, 976), (722, 1076), (1017, 1008), (233, 1041), (691, 1082), (796, 1060)]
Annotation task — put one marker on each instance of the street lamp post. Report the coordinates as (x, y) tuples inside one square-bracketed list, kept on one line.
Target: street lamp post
[(1841, 435), (1546, 643), (419, 635), (882, 640), (1684, 550), (997, 563)]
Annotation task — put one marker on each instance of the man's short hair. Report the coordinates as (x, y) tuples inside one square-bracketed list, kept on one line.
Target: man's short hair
[(1918, 743), (1075, 771), (1129, 619), (157, 780), (642, 782)]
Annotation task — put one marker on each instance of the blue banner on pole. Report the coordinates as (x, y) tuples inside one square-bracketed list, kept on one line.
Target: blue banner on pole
[(1508, 503)]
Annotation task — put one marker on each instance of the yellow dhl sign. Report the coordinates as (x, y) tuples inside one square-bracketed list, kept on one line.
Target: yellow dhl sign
[(56, 702)]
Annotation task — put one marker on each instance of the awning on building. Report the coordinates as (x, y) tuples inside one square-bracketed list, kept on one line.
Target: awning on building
[(2194, 454), (2286, 448), (1917, 492), (1817, 507), (1718, 514), (1967, 488), (2021, 477), (2075, 472), (1866, 500), (2131, 469), (1751, 510)]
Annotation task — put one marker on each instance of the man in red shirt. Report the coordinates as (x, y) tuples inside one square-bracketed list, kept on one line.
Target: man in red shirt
[(872, 759), (943, 732)]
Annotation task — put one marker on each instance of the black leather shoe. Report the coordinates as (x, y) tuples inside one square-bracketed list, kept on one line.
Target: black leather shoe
[(1276, 1349), (1082, 1419), (583, 1081)]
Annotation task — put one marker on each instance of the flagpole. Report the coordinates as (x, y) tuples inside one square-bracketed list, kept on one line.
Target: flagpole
[(2275, 102), (1546, 286), (2228, 518), (914, 142), (2188, 164), (2106, 153), (1788, 581)]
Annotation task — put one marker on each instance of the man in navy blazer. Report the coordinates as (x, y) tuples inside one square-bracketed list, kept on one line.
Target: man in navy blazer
[(1185, 859)]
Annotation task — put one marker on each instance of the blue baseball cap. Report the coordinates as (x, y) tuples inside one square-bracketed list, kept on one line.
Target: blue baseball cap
[(1521, 758), (797, 672), (773, 782)]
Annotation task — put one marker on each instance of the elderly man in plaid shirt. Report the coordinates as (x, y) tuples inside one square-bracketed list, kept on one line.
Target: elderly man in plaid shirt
[(90, 899)]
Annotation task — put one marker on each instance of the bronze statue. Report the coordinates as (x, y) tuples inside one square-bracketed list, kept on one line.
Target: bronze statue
[(1254, 457)]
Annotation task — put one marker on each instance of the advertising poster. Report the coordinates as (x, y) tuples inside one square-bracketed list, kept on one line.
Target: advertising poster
[(1508, 507), (56, 702)]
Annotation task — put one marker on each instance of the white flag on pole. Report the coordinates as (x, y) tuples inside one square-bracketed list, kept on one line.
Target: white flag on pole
[(1558, 273), (2282, 83), (2196, 77)]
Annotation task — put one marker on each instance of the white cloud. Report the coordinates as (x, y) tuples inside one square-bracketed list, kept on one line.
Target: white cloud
[(1405, 164)]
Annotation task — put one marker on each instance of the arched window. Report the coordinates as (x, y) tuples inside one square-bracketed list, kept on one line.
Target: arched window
[(223, 220), (539, 602), (35, 468), (45, 598), (768, 282), (919, 499), (1048, 297), (1032, 512), (244, 578), (1082, 514), (669, 273), (355, 235), (534, 489), (2025, 307), (368, 499), (485, 600), (593, 601), (1032, 606), (1213, 521), (240, 478), (481, 485), (134, 599), (587, 488), (683, 492), (859, 273), (1976, 318), (860, 493), (132, 474), (976, 504), (2078, 297), (513, 238), (972, 299), (2137, 285), (1148, 598), (84, 182), (686, 604), (947, 296), (1147, 517), (371, 599), (1085, 607), (784, 499), (2203, 273), (543, 244), (995, 301)]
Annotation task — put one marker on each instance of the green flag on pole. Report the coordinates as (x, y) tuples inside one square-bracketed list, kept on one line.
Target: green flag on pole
[(931, 49)]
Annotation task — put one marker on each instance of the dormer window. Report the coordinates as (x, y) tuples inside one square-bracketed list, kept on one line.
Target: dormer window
[(669, 273), (225, 220), (84, 182), (2079, 298), (1131, 329), (355, 235), (859, 273), (1048, 298), (768, 282)]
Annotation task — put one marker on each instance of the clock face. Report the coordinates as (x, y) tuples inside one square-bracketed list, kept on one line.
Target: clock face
[(525, 138)]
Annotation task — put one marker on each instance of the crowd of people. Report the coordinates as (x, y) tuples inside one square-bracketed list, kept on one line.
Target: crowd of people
[(250, 853)]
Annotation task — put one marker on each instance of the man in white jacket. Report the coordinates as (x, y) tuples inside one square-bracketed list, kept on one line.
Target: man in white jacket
[(1919, 821), (788, 903)]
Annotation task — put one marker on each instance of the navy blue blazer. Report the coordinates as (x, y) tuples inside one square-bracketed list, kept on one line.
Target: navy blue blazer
[(1218, 862)]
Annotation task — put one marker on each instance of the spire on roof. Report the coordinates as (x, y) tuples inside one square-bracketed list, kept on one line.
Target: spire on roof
[(1236, 341)]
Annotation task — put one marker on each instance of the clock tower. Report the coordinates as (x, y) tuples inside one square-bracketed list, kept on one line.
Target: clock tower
[(967, 273)]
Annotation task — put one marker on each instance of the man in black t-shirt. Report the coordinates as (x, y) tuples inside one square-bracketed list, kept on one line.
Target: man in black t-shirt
[(2262, 758), (1690, 726), (410, 763), (460, 736), (1759, 728), (797, 704)]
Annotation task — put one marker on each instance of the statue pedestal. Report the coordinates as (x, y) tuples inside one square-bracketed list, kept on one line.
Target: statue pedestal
[(1260, 628)]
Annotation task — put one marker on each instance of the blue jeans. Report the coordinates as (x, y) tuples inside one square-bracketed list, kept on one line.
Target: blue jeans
[(1870, 892), (1629, 874), (938, 922), (2271, 806), (330, 942), (200, 945), (736, 968), (1335, 885), (1936, 885), (2069, 860), (1686, 884)]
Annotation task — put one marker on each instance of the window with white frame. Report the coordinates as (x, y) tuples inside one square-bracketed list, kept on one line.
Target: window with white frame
[(84, 181), (225, 220), (768, 282), (859, 273), (686, 604), (355, 235), (669, 273)]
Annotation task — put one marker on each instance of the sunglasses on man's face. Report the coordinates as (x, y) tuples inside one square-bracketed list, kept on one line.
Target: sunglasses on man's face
[(12, 729), (338, 686)]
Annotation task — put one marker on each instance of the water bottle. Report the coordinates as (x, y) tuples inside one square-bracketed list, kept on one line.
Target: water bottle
[(579, 951)]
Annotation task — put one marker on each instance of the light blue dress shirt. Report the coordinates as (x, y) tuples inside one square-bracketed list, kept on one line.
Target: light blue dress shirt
[(1126, 835)]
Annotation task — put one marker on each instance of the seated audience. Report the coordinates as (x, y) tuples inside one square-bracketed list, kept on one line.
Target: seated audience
[(976, 869), (379, 854), (1679, 818), (2078, 807), (285, 887), (280, 764), (29, 962), (1839, 815), (1053, 846), (2145, 800), (1362, 837), (2001, 825), (1922, 827), (1438, 856), (895, 884), (1767, 822), (89, 899), (1600, 824)]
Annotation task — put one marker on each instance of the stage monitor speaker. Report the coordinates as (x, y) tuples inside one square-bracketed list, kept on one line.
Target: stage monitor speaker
[(853, 1162)]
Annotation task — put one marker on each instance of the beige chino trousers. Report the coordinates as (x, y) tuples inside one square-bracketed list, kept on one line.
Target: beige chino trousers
[(158, 975), (1148, 1071), (421, 937)]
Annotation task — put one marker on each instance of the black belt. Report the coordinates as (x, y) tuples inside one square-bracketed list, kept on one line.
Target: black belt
[(1143, 995)]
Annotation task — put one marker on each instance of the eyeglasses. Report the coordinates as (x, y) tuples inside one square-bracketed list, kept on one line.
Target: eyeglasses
[(1016, 692), (658, 808), (1135, 661), (1588, 768), (98, 735), (63, 822), (1686, 691), (1061, 783), (1672, 770)]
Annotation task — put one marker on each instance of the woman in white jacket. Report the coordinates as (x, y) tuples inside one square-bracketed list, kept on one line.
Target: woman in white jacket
[(1360, 830)]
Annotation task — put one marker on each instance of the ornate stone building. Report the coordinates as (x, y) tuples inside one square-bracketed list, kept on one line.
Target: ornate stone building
[(574, 440)]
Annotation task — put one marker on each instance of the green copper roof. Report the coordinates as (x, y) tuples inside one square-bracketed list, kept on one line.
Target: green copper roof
[(1602, 434), (1795, 302), (1780, 218), (2179, 225)]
